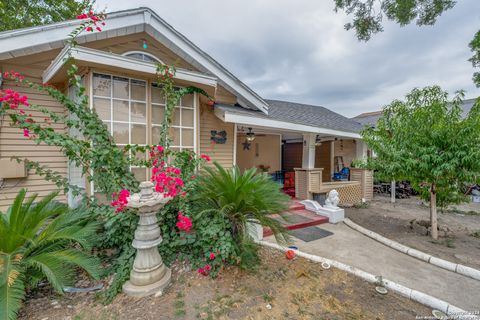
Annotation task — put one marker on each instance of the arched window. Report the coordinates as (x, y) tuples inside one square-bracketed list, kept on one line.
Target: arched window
[(143, 56)]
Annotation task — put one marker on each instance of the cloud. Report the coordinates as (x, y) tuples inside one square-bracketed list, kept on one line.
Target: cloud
[(299, 50)]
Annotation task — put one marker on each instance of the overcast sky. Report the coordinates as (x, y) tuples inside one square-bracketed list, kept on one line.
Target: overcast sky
[(298, 50)]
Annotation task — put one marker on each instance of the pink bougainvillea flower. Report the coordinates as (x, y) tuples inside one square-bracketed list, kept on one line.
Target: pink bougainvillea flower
[(184, 222), (212, 256), (13, 98), (89, 29), (26, 133), (120, 200), (205, 157), (205, 270), (99, 29)]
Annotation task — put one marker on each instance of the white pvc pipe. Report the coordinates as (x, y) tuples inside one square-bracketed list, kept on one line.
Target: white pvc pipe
[(411, 294), (444, 264)]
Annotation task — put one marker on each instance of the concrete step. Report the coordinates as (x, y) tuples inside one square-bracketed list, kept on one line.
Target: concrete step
[(300, 218)]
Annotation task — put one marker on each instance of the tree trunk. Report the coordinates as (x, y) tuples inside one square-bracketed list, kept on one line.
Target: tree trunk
[(393, 189), (433, 211)]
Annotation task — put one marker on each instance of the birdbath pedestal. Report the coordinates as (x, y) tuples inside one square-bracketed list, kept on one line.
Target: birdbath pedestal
[(149, 274)]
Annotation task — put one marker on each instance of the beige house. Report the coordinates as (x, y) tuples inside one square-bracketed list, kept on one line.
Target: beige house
[(118, 66)]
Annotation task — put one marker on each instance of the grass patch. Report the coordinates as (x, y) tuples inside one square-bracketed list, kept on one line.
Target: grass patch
[(458, 211), (267, 297), (363, 205), (449, 243), (179, 305), (475, 234)]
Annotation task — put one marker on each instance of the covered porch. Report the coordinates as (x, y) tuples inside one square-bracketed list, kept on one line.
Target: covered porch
[(308, 165)]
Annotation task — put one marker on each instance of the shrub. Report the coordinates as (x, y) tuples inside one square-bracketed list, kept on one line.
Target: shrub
[(42, 240), (236, 198)]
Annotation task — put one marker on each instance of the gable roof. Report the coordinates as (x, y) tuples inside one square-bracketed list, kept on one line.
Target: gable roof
[(371, 118), (295, 116), (32, 40), (368, 118)]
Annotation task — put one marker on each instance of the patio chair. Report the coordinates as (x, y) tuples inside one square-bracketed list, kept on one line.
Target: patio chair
[(343, 175)]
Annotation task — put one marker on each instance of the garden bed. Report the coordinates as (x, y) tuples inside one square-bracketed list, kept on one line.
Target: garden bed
[(297, 289), (405, 221)]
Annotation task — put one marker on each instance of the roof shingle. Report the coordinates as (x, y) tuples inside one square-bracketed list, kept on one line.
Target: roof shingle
[(299, 113)]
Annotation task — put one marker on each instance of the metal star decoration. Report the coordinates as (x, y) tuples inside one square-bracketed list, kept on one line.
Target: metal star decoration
[(246, 145)]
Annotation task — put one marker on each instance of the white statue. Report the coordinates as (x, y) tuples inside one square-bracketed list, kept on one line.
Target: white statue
[(332, 200)]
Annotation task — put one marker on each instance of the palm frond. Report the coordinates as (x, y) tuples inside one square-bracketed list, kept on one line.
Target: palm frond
[(81, 260), (54, 268), (12, 288)]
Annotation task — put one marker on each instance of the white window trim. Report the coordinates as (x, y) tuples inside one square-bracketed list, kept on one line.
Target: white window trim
[(130, 101), (195, 124), (126, 54), (149, 121)]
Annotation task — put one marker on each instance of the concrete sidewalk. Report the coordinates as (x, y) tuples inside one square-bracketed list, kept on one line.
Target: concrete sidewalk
[(351, 247)]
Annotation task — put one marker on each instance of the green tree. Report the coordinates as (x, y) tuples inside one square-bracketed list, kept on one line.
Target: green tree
[(28, 13), (425, 140), (368, 17)]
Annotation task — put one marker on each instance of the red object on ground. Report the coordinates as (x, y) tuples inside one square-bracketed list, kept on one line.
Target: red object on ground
[(290, 254)]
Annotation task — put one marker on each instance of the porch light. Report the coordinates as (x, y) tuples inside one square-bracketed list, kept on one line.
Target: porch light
[(318, 141), (250, 135), (145, 45)]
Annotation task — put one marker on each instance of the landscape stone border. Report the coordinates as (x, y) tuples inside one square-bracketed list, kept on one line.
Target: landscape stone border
[(447, 265), (420, 297)]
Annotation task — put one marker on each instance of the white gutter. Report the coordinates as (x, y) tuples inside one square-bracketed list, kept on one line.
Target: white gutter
[(277, 124), (83, 54)]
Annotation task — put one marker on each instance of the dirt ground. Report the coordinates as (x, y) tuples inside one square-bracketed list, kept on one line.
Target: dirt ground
[(459, 225), (279, 289)]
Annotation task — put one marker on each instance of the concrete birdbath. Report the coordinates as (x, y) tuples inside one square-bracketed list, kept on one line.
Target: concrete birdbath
[(149, 274)]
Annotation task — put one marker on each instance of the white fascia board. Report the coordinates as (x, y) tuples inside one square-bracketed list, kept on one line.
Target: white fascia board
[(31, 37), (110, 59), (287, 126)]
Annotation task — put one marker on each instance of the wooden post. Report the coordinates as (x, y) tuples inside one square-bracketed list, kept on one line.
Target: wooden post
[(392, 191)]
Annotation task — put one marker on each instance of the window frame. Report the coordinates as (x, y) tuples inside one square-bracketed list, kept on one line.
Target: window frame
[(180, 126), (149, 117), (130, 101), (148, 54)]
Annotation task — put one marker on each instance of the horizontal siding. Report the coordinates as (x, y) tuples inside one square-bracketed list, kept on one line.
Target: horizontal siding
[(224, 96), (222, 153), (13, 143), (120, 45)]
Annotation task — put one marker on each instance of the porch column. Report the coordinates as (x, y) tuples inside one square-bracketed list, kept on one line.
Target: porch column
[(308, 157)]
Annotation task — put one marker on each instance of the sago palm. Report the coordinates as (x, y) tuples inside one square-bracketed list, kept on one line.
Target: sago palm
[(241, 198), (42, 240)]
